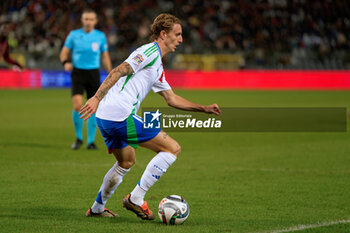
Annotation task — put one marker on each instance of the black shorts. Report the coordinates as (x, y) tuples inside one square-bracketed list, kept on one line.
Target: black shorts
[(85, 80)]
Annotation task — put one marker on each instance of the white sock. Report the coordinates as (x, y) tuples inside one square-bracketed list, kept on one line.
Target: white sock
[(111, 181), (154, 170)]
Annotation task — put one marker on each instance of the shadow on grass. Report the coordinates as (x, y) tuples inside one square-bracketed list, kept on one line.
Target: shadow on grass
[(66, 214), (34, 145), (69, 215), (40, 212)]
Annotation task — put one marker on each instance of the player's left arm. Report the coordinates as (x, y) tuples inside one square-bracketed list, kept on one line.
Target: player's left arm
[(176, 101), (106, 61)]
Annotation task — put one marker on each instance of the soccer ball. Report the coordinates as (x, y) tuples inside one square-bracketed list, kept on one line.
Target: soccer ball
[(173, 210)]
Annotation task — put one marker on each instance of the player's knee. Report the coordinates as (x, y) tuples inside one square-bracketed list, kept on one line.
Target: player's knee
[(77, 107), (77, 103), (127, 163), (176, 149)]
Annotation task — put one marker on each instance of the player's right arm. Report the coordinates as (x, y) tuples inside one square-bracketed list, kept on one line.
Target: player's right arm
[(65, 55), (65, 59), (91, 105)]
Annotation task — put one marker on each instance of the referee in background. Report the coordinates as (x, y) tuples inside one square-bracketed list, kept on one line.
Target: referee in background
[(85, 45)]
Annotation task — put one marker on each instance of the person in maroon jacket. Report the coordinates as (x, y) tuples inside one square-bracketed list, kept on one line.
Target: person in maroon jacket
[(5, 29)]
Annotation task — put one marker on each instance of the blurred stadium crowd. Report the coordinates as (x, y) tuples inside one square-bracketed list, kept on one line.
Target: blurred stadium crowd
[(277, 34)]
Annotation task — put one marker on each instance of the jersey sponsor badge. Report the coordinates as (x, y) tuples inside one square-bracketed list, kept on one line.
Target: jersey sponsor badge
[(94, 46), (138, 58)]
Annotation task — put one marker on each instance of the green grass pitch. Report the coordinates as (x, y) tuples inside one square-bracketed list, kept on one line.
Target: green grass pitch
[(233, 182)]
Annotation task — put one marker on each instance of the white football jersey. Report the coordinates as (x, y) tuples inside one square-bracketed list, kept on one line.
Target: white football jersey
[(125, 97)]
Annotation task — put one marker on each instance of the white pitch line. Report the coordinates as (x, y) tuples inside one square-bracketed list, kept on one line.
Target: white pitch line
[(310, 226)]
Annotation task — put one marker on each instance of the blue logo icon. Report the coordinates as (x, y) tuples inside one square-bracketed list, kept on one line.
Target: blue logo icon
[(151, 120), (155, 176)]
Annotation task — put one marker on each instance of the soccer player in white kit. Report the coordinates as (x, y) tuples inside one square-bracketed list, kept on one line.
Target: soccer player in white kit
[(116, 103)]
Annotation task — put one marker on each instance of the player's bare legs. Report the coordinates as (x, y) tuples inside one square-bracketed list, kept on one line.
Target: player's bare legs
[(125, 160), (162, 143), (126, 157), (78, 125), (167, 150), (77, 122), (77, 102)]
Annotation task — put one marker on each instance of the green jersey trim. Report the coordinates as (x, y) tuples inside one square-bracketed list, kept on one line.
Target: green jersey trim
[(149, 49), (131, 132), (152, 62), (126, 80)]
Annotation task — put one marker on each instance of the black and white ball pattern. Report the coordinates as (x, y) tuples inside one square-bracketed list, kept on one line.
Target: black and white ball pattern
[(173, 210)]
